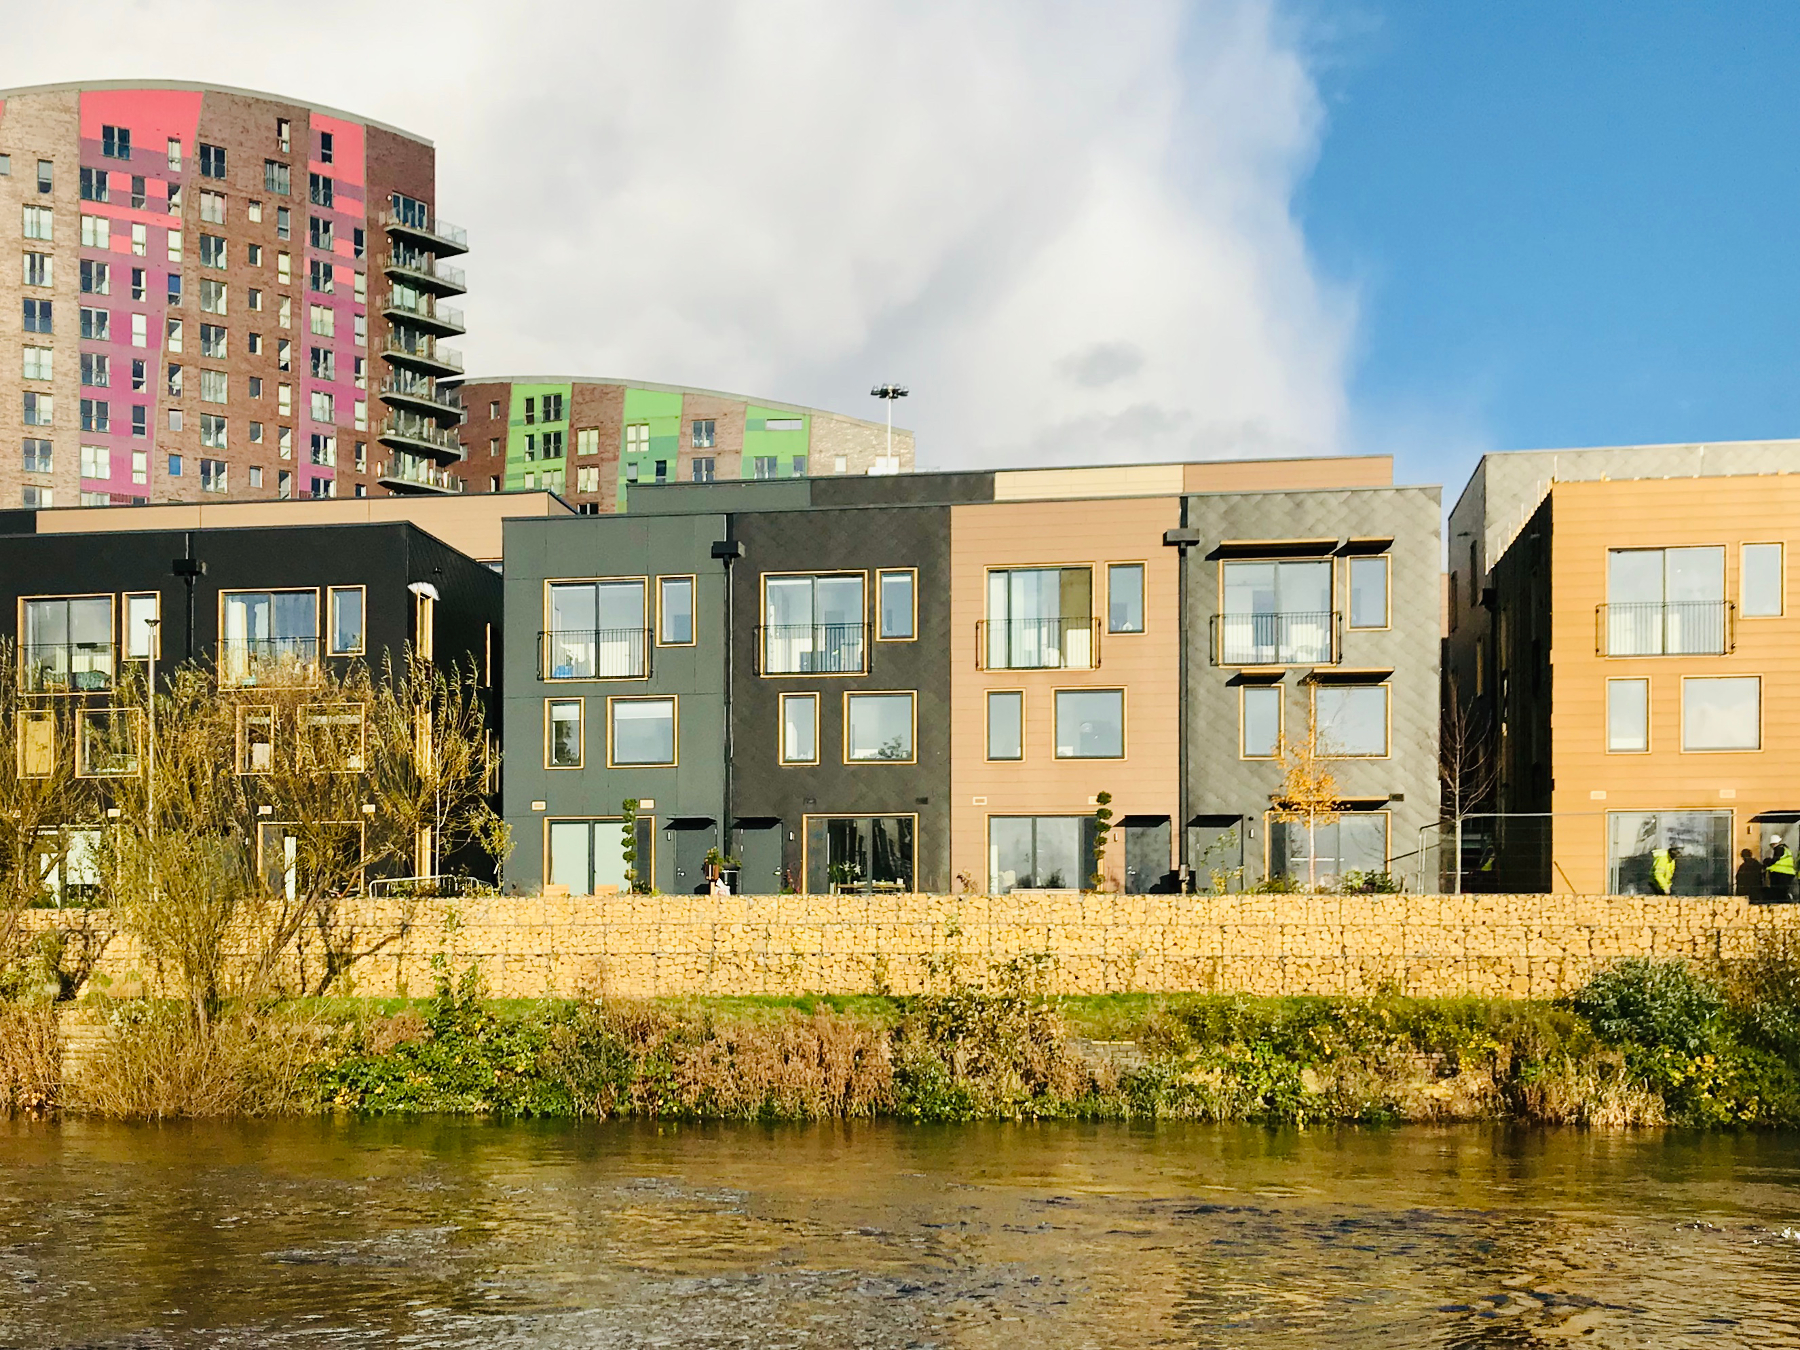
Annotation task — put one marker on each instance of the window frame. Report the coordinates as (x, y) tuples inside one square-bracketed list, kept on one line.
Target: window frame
[(674, 700), (362, 637), (311, 663), (1280, 691), (1762, 738), (987, 709), (580, 702), (135, 718), (693, 583), (1780, 546), (1387, 688), (762, 623), (1606, 733), (1387, 592), (651, 617), (1271, 822), (311, 713), (33, 716), (781, 755), (1124, 723), (1143, 567), (807, 817), (912, 701), (243, 717), (912, 625), (124, 612)]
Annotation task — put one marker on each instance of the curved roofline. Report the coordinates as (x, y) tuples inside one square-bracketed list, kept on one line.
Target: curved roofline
[(205, 88), (464, 381)]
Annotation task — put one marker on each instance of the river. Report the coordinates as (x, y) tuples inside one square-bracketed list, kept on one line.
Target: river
[(463, 1233)]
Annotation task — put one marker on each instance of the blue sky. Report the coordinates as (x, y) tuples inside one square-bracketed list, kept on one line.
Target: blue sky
[(1564, 224)]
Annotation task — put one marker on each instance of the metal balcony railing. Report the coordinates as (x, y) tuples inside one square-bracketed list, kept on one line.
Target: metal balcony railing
[(1666, 628), (418, 394), (813, 648), (268, 661), (407, 430), (440, 318), (419, 269), (402, 471), (1307, 638), (444, 237), (594, 654), (425, 353), (66, 667), (1037, 644)]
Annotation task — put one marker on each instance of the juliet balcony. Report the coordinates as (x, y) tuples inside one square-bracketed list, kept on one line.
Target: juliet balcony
[(594, 654), (1306, 638), (1666, 628), (1037, 644), (66, 667)]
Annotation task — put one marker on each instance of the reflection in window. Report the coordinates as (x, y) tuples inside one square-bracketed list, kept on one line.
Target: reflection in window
[(588, 856), (1090, 723), (1760, 584), (1699, 843), (1352, 719), (1039, 852), (799, 728), (643, 730), (1125, 598), (1040, 618), (68, 644), (878, 727), (897, 605), (859, 853), (1369, 592), (346, 620), (1665, 601), (1006, 724), (597, 631), (269, 631), (1262, 721), (1723, 713), (107, 742), (813, 624), (675, 611), (1627, 716), (564, 733), (1322, 854), (1276, 613)]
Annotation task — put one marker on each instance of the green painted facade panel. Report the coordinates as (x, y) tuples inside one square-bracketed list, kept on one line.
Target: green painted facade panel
[(660, 411), (783, 446), (517, 464)]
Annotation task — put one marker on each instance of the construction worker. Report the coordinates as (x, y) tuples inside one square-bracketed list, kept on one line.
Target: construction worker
[(1662, 869), (1780, 870)]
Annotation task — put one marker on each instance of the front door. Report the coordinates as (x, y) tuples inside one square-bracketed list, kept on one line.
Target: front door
[(692, 839), (1147, 856)]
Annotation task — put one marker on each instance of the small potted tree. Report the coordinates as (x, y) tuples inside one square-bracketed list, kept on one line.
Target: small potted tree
[(723, 869)]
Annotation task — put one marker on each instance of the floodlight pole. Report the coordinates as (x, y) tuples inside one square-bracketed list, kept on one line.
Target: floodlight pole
[(887, 393)]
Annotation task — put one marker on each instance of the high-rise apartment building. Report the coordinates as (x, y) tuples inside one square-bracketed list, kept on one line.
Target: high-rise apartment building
[(218, 295), (592, 440)]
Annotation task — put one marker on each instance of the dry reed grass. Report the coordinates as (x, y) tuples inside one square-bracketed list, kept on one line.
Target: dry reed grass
[(1594, 1092), (30, 1057)]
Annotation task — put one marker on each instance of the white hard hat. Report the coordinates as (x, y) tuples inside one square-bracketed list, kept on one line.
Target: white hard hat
[(1775, 840)]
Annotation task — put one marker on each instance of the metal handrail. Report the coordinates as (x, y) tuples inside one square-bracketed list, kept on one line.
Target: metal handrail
[(428, 351), (428, 268), (594, 653), (405, 470), (76, 667), (422, 430), (447, 315), (1037, 644), (1665, 628), (813, 648), (1293, 638), (437, 398), (432, 225)]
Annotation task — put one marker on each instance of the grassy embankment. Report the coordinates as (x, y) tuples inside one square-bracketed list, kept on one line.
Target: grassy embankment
[(1643, 1043)]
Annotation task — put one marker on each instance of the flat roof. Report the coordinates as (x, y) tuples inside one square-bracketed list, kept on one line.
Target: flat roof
[(466, 380), (205, 88)]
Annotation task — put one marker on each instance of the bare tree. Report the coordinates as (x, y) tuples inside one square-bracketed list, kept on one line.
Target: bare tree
[(1467, 769), (1308, 789)]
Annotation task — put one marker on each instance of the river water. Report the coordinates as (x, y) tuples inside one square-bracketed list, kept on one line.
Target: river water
[(462, 1233)]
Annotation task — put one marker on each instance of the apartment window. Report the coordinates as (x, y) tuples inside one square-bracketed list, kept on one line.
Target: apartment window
[(284, 485), (323, 487), (552, 443), (587, 479), (899, 609), (212, 475), (799, 728), (140, 468), (703, 469), (96, 369), (214, 386), (284, 396), (1665, 601), (96, 414), (39, 457), (96, 278), (1275, 613), (140, 369), (39, 223), (255, 738), (256, 391), (94, 183), (1627, 717), (860, 854), (1721, 713), (212, 161), (275, 177), (1759, 582), (703, 434), (212, 340), (662, 467), (797, 465), (265, 628), (212, 433), (174, 380), (96, 461), (96, 324), (319, 276), (764, 466), (813, 624), (1125, 598), (140, 428), (1048, 853), (38, 363), (1369, 592), (1260, 733), (324, 448), (587, 441), (140, 337), (40, 410), (284, 442), (212, 296), (115, 142), (1090, 724), (640, 731), (45, 176), (322, 320), (553, 408), (38, 316), (106, 742), (1352, 720), (319, 189), (345, 606), (597, 631), (174, 419), (284, 229), (1006, 724), (212, 250), (637, 435), (172, 244), (675, 611), (324, 406), (212, 207), (878, 728), (174, 289), (1702, 867), (39, 270), (37, 497), (68, 643), (1039, 618), (563, 739), (140, 246), (256, 475), (319, 234), (1357, 841), (324, 363)]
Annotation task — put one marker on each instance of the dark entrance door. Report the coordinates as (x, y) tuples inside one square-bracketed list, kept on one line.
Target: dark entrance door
[(760, 851), (1147, 855), (692, 837)]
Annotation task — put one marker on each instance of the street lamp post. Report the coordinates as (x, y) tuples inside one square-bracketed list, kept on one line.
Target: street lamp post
[(887, 393)]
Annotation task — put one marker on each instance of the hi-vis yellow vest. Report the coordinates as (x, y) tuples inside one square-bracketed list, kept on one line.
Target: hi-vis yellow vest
[(1662, 867), (1782, 866)]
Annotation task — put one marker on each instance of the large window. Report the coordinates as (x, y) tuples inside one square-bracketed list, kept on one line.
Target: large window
[(642, 731), (268, 633), (1090, 723), (1275, 614), (675, 611), (1352, 719), (859, 854), (562, 733), (106, 742), (1261, 721), (814, 624), (1006, 724), (597, 631), (1039, 852), (878, 728), (799, 728), (1759, 583), (587, 857), (68, 643), (1627, 717), (1698, 843), (899, 604), (1125, 598), (1369, 592), (1722, 713), (1322, 854), (1665, 601), (1040, 618)]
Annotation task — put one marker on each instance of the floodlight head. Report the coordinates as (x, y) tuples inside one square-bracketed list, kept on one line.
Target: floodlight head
[(889, 391)]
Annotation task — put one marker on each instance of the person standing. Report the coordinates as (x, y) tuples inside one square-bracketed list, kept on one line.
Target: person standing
[(1780, 872), (1662, 869)]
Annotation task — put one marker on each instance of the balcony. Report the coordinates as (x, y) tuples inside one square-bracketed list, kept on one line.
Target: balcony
[(1288, 639), (813, 648), (419, 397), (423, 355), (439, 236), (422, 273), (1037, 644), (443, 320), (594, 654), (403, 474), (419, 436), (1666, 628), (66, 667), (276, 661)]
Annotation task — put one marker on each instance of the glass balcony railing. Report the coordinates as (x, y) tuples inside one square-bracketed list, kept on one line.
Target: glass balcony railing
[(1286, 639), (422, 352), (421, 270), (407, 430), (1667, 628), (428, 313), (66, 667), (594, 654), (418, 393), (444, 237), (814, 648), (404, 471), (1038, 644)]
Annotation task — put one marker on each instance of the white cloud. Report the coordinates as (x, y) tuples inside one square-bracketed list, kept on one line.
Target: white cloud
[(1068, 229)]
